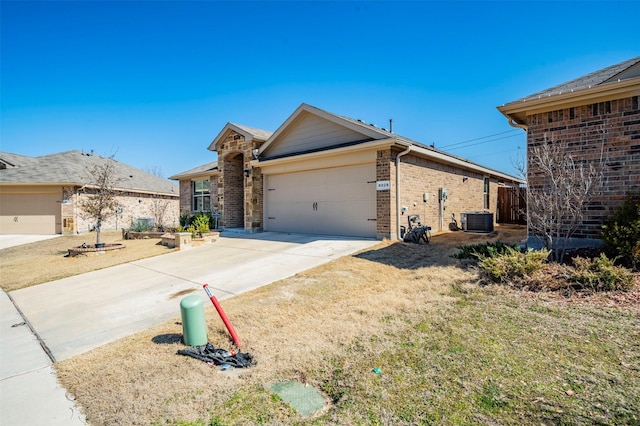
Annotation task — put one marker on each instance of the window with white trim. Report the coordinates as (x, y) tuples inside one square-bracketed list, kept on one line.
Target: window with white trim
[(201, 196)]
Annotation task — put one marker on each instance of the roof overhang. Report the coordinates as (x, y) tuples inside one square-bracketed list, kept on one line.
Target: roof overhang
[(519, 110), (80, 186), (454, 161), (366, 153), (336, 157), (228, 128)]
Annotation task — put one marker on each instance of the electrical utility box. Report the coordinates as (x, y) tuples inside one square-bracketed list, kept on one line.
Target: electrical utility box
[(443, 195)]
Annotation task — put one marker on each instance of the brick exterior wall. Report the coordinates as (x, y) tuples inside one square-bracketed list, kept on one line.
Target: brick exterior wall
[(608, 130), (186, 194), (186, 198), (233, 190), (240, 197), (385, 224), (133, 206), (420, 175)]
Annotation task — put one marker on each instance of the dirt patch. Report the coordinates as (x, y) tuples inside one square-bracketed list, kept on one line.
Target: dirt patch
[(180, 293)]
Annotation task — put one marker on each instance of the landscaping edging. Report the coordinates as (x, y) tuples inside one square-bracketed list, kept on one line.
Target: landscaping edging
[(75, 251), (134, 235)]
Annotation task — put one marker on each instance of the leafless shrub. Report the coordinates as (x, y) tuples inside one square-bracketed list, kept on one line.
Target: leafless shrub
[(560, 187), (99, 200), (158, 211)]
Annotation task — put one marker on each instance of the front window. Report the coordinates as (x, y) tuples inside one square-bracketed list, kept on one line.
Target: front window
[(201, 196)]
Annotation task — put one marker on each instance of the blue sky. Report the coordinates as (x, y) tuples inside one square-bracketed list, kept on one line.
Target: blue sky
[(153, 82)]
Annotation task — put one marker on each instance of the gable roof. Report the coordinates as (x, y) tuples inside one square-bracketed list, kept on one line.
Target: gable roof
[(249, 133), (8, 159), (204, 169), (370, 134), (71, 168), (620, 79)]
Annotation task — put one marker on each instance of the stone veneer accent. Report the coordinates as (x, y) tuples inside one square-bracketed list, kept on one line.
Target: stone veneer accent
[(240, 197)]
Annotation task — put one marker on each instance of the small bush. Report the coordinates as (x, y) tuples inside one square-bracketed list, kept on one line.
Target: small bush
[(140, 226), (600, 274), (476, 251), (513, 264), (621, 234), (201, 223), (185, 220)]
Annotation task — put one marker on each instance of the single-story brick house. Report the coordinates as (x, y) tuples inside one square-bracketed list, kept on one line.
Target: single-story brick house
[(596, 118), (322, 173), (39, 195)]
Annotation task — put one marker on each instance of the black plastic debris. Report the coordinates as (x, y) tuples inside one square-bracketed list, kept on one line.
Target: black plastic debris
[(209, 354)]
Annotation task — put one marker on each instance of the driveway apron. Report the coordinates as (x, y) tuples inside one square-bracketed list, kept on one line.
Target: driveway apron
[(77, 314)]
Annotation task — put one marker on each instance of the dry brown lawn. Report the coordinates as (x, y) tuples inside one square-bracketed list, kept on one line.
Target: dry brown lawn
[(451, 352), (43, 261), (289, 327)]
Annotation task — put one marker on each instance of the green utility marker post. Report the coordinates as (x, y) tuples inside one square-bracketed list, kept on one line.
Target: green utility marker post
[(194, 327)]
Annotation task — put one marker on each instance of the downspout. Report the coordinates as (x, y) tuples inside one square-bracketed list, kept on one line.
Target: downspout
[(405, 152), (524, 127)]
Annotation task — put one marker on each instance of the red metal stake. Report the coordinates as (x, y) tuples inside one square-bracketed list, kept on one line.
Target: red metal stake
[(226, 321)]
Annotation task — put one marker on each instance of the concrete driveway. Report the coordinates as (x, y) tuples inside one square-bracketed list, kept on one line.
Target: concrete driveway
[(77, 314), (13, 240)]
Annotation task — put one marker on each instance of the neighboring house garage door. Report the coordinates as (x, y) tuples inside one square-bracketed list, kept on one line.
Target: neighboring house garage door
[(29, 213), (336, 201)]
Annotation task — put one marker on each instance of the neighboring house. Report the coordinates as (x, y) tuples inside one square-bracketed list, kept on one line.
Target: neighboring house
[(39, 195), (321, 173), (596, 118)]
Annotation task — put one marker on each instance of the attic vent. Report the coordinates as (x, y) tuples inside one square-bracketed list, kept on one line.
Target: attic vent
[(360, 121), (372, 125)]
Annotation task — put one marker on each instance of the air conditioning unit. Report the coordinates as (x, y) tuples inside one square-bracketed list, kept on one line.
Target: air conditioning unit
[(477, 221)]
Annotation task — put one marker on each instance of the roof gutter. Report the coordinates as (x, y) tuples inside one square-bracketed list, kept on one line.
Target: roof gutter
[(405, 152), (517, 125)]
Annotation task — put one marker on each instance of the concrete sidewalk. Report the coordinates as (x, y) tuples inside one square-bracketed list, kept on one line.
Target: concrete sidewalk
[(29, 390), (77, 314)]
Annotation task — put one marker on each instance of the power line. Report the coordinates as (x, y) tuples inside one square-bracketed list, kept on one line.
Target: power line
[(480, 143), (477, 139), (473, 157)]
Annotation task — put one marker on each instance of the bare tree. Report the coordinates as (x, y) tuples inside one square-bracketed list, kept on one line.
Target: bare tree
[(158, 210), (559, 189), (99, 202), (155, 170)]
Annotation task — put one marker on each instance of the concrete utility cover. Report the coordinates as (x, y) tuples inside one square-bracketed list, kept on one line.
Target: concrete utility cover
[(304, 399)]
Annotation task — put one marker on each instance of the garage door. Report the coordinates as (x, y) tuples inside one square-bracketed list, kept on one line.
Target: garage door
[(336, 201), (29, 213)]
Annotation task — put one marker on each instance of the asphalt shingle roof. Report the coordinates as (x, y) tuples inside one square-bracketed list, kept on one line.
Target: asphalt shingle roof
[(255, 132), (72, 167), (596, 78), (209, 167)]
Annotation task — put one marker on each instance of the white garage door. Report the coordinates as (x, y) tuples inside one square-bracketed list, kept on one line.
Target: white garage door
[(29, 213), (336, 201)]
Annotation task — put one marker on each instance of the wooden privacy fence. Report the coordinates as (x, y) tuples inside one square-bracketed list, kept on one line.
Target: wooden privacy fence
[(512, 205)]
